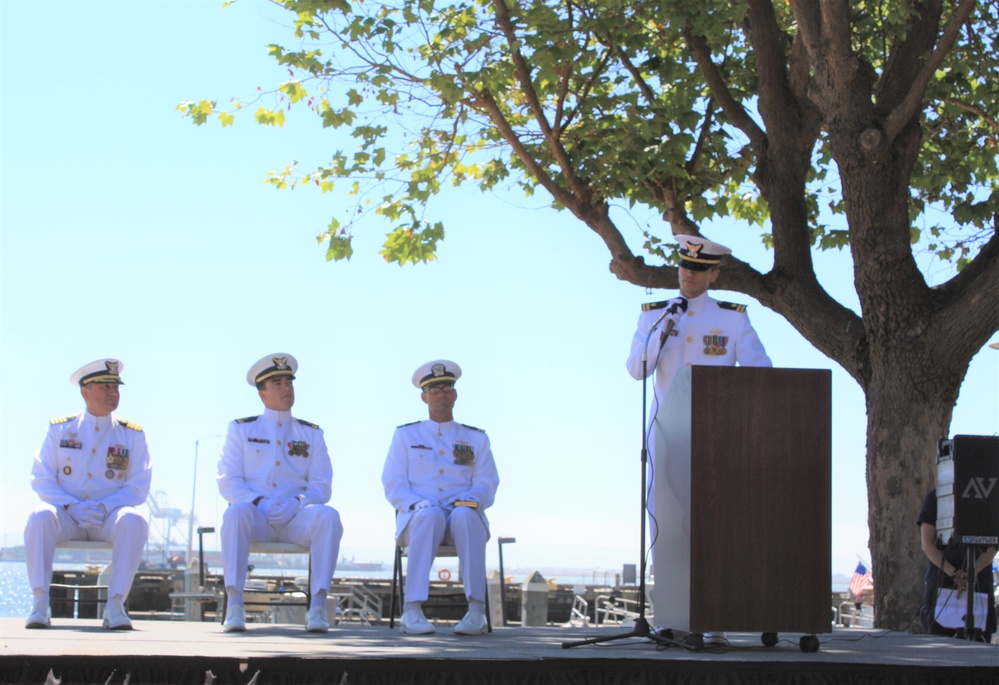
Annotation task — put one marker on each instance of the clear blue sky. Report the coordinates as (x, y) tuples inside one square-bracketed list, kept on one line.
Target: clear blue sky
[(128, 232)]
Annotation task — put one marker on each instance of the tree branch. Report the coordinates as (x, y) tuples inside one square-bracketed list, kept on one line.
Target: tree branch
[(564, 72), (522, 71), (913, 101), (824, 27), (767, 41), (977, 111), (484, 100), (981, 273), (625, 59), (703, 136), (719, 89), (584, 92)]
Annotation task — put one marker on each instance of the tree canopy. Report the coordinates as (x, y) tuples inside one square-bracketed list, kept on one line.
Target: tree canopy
[(775, 115)]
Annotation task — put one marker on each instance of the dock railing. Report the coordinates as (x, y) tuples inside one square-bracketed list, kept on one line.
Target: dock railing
[(362, 605), (580, 615), (615, 610)]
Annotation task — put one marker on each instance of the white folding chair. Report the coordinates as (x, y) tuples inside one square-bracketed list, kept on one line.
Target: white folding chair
[(81, 593), (272, 548), (399, 587)]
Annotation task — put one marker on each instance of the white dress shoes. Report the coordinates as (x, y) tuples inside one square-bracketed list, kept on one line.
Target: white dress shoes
[(115, 617), (474, 623), (235, 619), (415, 623), (316, 621), (40, 617)]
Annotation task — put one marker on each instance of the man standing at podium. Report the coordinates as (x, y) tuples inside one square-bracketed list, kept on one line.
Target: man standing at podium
[(697, 330), (705, 332)]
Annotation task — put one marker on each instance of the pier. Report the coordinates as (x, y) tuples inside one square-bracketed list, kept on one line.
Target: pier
[(178, 639), (81, 651)]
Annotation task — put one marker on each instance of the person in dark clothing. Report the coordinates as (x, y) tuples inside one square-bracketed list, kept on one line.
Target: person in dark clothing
[(946, 569)]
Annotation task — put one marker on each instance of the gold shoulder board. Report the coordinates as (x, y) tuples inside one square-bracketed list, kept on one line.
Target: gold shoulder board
[(652, 306)]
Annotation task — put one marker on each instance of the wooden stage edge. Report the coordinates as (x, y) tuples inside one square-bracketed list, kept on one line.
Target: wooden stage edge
[(162, 651)]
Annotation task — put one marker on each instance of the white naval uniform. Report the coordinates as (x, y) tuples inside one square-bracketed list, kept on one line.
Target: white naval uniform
[(709, 333), (441, 462), (277, 456), (87, 458)]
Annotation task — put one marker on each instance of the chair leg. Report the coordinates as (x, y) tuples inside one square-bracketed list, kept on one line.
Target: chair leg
[(225, 593), (308, 587), (489, 618), (396, 585)]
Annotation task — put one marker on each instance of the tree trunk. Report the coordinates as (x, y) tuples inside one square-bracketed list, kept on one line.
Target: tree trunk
[(910, 376), (909, 409)]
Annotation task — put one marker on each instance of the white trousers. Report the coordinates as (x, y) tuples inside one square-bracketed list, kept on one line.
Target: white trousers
[(316, 526), (125, 528), (424, 534)]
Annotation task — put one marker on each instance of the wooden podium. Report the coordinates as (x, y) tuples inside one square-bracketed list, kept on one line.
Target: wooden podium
[(742, 500)]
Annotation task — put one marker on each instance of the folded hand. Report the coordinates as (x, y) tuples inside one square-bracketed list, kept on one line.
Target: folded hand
[(280, 511), (87, 514)]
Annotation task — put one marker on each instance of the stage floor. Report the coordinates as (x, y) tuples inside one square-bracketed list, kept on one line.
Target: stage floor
[(161, 651)]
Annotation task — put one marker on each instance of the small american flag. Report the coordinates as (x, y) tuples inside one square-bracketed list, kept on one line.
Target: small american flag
[(861, 580)]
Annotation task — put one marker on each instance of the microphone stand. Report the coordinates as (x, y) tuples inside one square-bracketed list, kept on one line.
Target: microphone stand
[(641, 628), (969, 631)]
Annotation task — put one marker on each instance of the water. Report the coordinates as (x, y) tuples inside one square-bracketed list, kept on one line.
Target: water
[(15, 593)]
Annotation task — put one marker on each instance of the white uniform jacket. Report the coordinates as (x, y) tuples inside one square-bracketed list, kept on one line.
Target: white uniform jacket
[(275, 455), (441, 462), (709, 333), (100, 459)]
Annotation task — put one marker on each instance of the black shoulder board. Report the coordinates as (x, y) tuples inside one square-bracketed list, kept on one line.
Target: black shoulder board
[(411, 423), (130, 424), (248, 419), (652, 306), (306, 423), (733, 306), (62, 419), (481, 430)]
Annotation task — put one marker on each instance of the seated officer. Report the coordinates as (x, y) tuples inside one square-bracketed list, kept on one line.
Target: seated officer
[(440, 477), (276, 475), (91, 473)]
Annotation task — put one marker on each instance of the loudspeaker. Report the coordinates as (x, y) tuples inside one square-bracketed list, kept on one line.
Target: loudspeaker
[(968, 490)]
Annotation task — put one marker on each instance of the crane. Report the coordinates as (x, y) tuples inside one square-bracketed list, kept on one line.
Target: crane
[(163, 516)]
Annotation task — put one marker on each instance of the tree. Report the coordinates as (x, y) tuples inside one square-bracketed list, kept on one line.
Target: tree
[(755, 111)]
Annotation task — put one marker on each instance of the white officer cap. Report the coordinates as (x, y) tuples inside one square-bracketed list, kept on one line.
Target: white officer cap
[(100, 371), (271, 366), (439, 371), (700, 254)]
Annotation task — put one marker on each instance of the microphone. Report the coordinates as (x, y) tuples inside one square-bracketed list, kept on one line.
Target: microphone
[(678, 305)]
